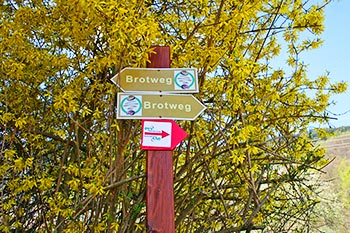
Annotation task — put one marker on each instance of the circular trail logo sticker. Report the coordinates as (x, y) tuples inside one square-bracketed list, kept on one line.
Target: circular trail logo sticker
[(131, 106), (184, 80)]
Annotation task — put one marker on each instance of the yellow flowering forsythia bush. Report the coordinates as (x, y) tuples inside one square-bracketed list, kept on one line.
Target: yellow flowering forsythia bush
[(68, 165)]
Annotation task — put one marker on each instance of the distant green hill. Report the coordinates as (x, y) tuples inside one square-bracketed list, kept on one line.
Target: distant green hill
[(333, 132), (340, 130)]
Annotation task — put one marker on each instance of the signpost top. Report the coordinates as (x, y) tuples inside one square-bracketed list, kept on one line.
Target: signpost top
[(165, 80)]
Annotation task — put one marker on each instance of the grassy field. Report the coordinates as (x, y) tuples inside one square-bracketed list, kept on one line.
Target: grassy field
[(335, 199)]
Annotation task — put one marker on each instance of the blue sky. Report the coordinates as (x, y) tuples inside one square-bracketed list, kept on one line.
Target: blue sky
[(334, 56)]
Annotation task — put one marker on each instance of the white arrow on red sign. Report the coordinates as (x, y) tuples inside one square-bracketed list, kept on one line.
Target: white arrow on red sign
[(161, 135)]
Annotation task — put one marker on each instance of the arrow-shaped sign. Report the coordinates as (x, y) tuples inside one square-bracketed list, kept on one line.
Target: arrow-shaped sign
[(167, 80), (152, 106), (155, 135)]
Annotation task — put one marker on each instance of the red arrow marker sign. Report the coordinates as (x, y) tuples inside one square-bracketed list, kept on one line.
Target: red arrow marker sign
[(155, 135), (163, 134)]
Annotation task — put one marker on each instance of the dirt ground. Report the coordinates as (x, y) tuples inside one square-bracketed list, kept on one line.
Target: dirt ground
[(338, 148)]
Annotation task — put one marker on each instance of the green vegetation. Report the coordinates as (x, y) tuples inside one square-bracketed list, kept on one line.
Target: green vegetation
[(333, 212), (68, 165)]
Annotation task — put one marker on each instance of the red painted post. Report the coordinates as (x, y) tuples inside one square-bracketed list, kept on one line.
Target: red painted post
[(159, 171)]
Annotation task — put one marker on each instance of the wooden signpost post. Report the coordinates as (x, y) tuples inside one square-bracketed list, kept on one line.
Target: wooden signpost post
[(146, 96), (159, 172)]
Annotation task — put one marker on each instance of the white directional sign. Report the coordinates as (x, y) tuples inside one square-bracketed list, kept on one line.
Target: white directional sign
[(167, 80), (156, 134), (161, 135), (151, 106)]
